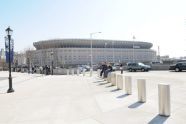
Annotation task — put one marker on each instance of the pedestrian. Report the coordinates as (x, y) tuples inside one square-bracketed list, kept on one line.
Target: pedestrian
[(105, 67), (121, 68), (46, 69), (109, 69), (101, 73), (32, 69)]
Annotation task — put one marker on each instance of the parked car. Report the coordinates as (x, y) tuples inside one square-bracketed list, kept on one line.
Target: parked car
[(81, 69), (116, 67), (137, 66), (157, 62), (178, 66), (84, 67)]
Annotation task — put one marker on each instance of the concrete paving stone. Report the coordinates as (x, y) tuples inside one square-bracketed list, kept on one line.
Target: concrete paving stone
[(87, 121), (67, 99), (124, 115), (76, 110)]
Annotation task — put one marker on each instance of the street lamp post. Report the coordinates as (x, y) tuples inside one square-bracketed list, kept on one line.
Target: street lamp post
[(91, 62), (9, 33), (52, 53)]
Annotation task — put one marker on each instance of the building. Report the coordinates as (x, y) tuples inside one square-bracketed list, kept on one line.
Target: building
[(19, 59), (2, 54), (2, 60), (78, 51)]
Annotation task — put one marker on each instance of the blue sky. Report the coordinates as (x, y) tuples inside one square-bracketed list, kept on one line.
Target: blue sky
[(161, 22)]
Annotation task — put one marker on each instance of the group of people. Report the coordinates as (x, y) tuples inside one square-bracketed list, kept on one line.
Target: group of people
[(42, 69), (45, 70), (105, 69)]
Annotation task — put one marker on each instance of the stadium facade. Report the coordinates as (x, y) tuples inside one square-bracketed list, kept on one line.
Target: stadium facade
[(78, 51)]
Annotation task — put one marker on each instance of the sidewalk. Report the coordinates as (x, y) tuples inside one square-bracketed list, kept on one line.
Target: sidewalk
[(74, 99)]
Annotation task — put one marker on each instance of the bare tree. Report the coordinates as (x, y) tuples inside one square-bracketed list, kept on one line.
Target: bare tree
[(29, 56), (3, 64)]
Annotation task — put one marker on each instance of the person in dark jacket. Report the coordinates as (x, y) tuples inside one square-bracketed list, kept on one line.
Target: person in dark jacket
[(103, 69), (46, 70), (109, 69), (121, 68), (33, 69)]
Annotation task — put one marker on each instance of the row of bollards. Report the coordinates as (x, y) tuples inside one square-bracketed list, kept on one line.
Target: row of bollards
[(163, 91), (126, 81), (71, 72)]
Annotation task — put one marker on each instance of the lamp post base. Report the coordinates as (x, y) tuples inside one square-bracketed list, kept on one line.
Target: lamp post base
[(10, 90)]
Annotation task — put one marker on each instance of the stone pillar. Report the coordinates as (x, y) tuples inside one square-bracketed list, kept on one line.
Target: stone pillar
[(67, 71), (120, 81), (91, 71), (113, 78), (98, 72), (128, 85), (83, 72), (72, 71), (77, 72), (141, 90), (164, 99), (109, 78)]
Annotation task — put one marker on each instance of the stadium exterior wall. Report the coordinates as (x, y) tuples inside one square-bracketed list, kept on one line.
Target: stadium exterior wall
[(79, 54)]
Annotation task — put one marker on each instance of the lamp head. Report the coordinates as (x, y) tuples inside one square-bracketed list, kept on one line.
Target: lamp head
[(9, 31)]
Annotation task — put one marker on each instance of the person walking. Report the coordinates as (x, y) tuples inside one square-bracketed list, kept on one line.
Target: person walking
[(46, 70), (109, 70), (104, 68), (121, 68), (101, 67)]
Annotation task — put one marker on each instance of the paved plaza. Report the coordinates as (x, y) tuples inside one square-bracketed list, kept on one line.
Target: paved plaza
[(67, 99)]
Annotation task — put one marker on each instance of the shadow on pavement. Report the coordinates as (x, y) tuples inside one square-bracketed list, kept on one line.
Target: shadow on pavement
[(98, 81), (122, 96), (103, 83), (178, 71), (115, 90), (158, 120), (135, 105), (110, 86)]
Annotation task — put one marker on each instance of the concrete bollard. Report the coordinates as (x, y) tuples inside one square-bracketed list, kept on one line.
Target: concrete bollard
[(72, 71), (83, 72), (77, 72), (164, 99), (98, 72), (67, 71), (120, 81), (91, 70), (128, 85), (113, 78), (141, 90), (109, 77)]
